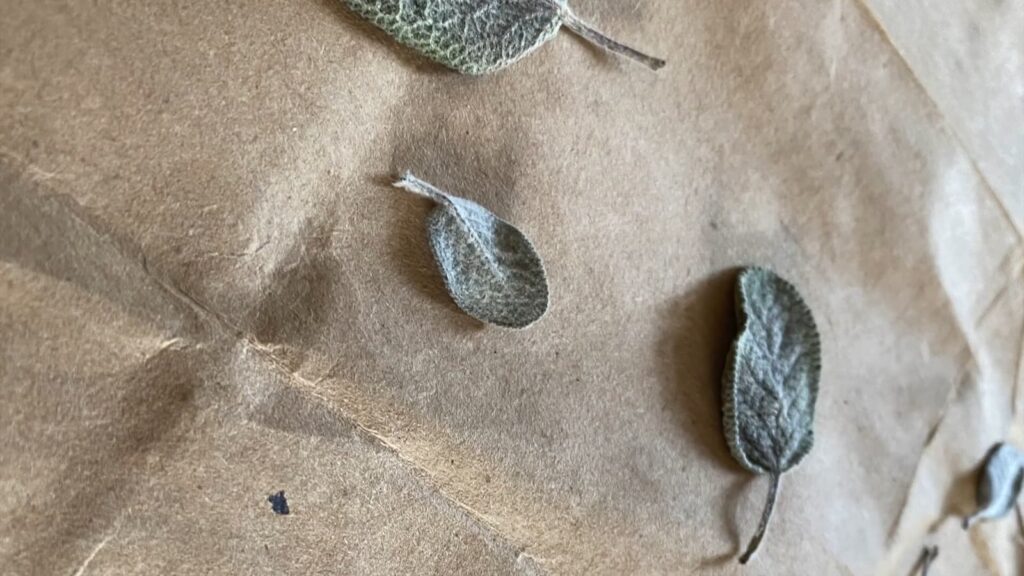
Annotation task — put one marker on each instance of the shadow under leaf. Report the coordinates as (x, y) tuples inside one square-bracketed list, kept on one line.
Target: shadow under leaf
[(692, 352), (962, 497)]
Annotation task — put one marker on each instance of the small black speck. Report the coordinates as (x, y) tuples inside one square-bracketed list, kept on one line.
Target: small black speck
[(840, 155), (166, 100), (267, 548), (453, 462), (279, 503), (714, 225), (35, 143)]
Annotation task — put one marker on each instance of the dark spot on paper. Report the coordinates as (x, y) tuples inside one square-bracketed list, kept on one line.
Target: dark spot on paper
[(714, 225), (279, 503)]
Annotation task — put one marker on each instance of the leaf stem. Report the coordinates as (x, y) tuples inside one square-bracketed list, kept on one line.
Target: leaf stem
[(411, 183), (597, 38), (928, 557), (969, 520), (773, 492)]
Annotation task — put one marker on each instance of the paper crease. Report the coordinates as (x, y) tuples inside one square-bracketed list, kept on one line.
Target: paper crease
[(1007, 213)]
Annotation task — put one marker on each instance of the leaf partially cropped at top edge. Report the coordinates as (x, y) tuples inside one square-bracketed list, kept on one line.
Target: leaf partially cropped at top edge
[(770, 384), (490, 268), (999, 484), (481, 36)]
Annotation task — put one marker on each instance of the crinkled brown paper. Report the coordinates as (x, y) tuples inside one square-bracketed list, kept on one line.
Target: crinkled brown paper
[(209, 292)]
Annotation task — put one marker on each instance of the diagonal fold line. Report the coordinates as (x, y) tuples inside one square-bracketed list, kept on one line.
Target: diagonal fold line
[(930, 439), (1000, 203), (281, 366), (310, 387), (223, 324)]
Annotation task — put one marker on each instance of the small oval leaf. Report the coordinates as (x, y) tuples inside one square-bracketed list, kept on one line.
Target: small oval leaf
[(999, 485), (770, 384), (491, 270), (481, 36)]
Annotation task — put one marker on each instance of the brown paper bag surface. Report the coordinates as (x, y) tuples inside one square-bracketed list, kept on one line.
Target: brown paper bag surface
[(210, 293)]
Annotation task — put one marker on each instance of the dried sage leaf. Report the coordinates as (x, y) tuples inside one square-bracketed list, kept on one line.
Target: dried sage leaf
[(999, 485), (770, 384), (490, 268), (481, 36)]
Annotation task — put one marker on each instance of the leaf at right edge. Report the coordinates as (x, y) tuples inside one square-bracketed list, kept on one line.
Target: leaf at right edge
[(999, 485), (770, 385), (490, 268)]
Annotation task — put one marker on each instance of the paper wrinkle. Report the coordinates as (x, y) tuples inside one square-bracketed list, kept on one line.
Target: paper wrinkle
[(85, 254), (1018, 380), (965, 280), (426, 451), (970, 388), (265, 352), (1013, 192), (433, 476), (232, 331), (952, 398)]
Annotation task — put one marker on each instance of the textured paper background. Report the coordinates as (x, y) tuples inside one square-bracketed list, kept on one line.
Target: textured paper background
[(208, 292)]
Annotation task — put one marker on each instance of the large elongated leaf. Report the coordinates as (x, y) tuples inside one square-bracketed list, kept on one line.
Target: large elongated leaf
[(480, 36), (770, 384), (490, 268), (999, 485)]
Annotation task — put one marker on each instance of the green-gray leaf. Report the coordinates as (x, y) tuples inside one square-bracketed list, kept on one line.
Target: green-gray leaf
[(999, 485), (481, 36), (770, 384), (490, 268)]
